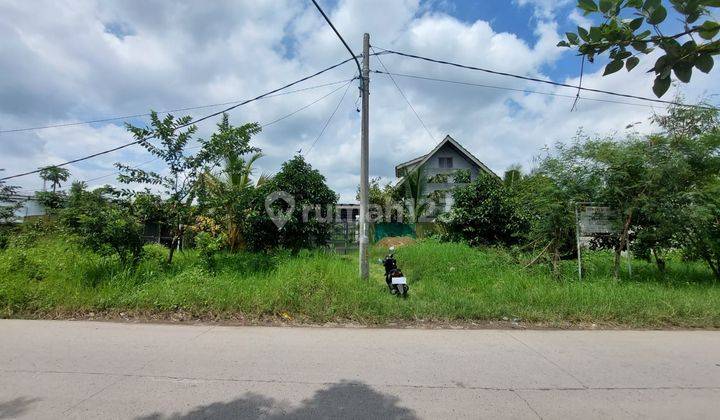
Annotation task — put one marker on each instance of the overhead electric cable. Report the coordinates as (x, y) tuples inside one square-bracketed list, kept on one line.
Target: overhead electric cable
[(304, 107), (354, 56), (487, 86), (549, 82), (329, 119), (404, 97), (214, 114), (192, 108)]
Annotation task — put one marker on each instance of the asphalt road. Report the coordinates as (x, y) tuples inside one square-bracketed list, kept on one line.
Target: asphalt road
[(56, 369)]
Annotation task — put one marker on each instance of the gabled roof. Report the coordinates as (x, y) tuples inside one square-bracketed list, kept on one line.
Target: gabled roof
[(419, 161)]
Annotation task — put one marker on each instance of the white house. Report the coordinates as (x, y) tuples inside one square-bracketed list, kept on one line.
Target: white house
[(443, 166)]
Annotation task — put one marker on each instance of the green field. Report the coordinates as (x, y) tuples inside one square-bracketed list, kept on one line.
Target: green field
[(450, 282)]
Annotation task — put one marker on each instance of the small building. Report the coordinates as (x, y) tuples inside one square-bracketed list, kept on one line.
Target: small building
[(28, 206), (447, 166)]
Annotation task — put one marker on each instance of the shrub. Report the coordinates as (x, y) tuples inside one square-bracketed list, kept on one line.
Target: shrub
[(104, 224), (461, 176), (208, 245), (484, 213)]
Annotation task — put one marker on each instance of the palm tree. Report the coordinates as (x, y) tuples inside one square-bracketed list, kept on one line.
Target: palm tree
[(512, 176), (230, 187), (55, 175), (414, 188)]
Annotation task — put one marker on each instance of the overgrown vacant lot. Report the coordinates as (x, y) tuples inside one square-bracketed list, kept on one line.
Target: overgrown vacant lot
[(449, 282)]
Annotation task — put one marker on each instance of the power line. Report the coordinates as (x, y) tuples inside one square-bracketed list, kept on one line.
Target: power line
[(354, 57), (328, 120), (261, 125), (457, 82), (404, 97), (549, 82), (214, 114), (192, 108), (309, 105)]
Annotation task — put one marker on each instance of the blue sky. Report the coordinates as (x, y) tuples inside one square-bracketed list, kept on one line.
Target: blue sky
[(66, 61)]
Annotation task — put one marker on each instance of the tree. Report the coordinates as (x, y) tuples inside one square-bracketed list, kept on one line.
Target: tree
[(701, 233), (55, 175), (684, 163), (547, 207), (8, 203), (228, 190), (311, 195), (104, 222), (53, 200), (631, 29), (183, 171), (484, 213), (512, 176), (648, 181), (414, 191), (384, 197)]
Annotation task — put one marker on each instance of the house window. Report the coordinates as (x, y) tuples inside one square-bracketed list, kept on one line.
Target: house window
[(446, 162)]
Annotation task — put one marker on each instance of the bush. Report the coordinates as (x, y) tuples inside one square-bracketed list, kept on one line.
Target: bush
[(461, 176), (104, 224), (208, 245), (484, 213)]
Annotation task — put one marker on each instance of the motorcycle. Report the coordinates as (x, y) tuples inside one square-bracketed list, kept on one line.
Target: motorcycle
[(396, 281)]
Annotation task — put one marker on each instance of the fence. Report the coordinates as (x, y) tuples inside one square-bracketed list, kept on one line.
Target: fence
[(344, 236)]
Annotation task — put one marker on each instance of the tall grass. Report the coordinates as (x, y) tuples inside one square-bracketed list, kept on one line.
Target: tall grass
[(449, 282)]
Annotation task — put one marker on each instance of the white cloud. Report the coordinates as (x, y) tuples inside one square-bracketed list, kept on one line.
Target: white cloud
[(577, 18), (62, 63), (544, 9)]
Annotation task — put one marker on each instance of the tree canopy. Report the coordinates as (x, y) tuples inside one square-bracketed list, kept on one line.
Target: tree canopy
[(632, 29)]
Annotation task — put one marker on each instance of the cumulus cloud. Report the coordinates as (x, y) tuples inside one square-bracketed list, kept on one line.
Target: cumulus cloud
[(544, 9), (70, 61)]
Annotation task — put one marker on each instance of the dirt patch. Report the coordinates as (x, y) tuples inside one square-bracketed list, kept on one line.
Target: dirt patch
[(396, 241)]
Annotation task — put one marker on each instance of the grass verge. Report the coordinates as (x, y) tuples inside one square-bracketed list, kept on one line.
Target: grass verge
[(449, 283)]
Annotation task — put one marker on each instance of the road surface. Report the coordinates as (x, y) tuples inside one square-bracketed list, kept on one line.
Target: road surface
[(92, 370)]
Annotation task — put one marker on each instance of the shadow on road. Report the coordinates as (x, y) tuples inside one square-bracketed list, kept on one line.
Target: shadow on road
[(14, 408), (343, 400)]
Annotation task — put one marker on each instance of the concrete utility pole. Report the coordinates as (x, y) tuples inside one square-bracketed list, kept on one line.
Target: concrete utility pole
[(364, 150)]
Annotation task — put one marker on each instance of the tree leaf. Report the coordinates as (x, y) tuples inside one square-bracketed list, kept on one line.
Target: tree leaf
[(631, 63), (704, 63), (635, 24), (595, 33), (583, 34), (587, 5), (661, 86), (709, 29), (606, 5), (683, 71), (563, 44), (573, 38), (613, 66), (640, 46), (657, 16)]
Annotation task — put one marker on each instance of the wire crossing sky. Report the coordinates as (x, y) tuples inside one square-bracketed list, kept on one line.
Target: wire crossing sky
[(74, 72)]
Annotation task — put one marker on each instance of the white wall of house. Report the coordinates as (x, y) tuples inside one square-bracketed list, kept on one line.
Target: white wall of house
[(459, 161)]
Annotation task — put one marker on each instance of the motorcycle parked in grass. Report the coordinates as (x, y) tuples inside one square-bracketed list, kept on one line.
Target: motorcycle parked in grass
[(396, 281)]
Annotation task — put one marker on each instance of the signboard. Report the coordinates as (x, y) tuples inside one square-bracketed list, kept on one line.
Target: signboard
[(595, 220)]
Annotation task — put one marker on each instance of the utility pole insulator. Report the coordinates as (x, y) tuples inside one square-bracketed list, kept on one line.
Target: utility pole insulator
[(364, 151)]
